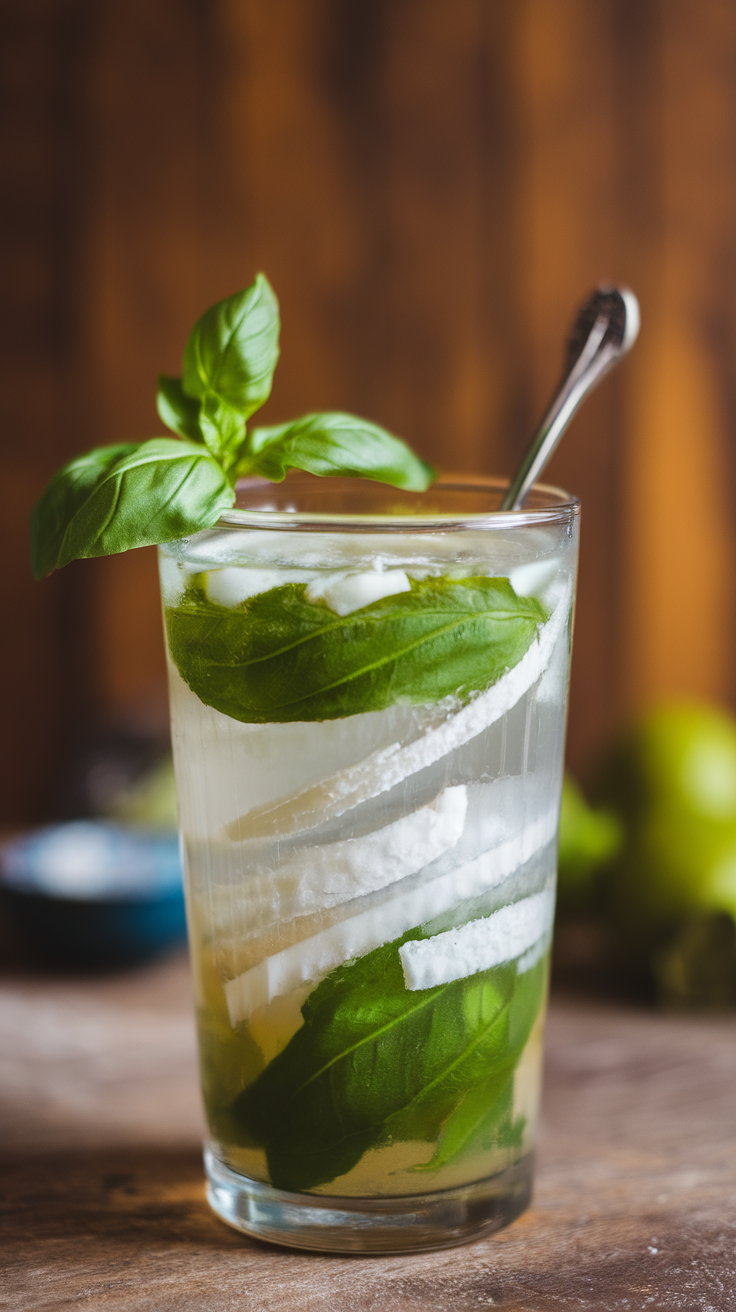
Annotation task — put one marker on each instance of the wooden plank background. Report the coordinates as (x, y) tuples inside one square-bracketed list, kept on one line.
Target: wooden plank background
[(430, 188)]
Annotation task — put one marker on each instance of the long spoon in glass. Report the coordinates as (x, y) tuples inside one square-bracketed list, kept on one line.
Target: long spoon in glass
[(605, 328)]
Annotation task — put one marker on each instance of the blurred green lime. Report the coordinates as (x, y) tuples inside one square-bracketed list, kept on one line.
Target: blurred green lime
[(672, 781), (588, 840), (680, 756)]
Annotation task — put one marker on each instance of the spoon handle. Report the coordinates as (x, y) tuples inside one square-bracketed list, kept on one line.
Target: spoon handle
[(605, 328)]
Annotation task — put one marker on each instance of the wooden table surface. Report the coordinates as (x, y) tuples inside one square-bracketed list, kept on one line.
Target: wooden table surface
[(103, 1203)]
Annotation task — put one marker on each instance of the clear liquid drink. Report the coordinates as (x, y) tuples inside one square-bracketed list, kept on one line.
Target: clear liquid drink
[(368, 701)]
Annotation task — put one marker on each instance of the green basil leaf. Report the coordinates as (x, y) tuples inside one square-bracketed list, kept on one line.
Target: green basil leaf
[(278, 657), (118, 497), (483, 1120), (223, 430), (334, 444), (232, 350), (178, 411), (374, 1063)]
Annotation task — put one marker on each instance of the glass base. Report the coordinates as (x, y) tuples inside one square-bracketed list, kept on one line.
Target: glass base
[(409, 1224)]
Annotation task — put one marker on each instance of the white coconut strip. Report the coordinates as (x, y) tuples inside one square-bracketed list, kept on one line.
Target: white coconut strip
[(321, 877), (316, 956), (479, 945), (384, 769)]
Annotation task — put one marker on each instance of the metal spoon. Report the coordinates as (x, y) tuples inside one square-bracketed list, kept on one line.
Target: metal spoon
[(606, 327)]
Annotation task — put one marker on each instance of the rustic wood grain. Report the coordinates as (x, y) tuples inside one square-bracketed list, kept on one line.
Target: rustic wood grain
[(678, 519), (42, 163), (430, 189), (102, 1196)]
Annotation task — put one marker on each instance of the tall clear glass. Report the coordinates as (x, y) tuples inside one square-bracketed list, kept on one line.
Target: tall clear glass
[(368, 703)]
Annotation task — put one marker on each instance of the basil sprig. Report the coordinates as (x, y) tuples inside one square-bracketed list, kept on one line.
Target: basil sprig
[(375, 1064), (278, 657), (135, 494)]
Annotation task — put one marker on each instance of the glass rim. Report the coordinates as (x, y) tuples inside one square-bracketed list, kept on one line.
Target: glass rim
[(557, 507)]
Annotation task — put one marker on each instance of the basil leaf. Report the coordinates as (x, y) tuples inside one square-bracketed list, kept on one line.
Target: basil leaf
[(278, 657), (178, 411), (335, 444), (482, 1121), (374, 1063), (132, 495), (223, 430), (232, 350), (483, 1118)]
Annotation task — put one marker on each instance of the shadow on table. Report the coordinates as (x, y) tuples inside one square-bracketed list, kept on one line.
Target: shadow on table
[(110, 1195)]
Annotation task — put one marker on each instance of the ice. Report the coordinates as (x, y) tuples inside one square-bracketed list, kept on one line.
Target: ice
[(345, 593), (174, 580), (233, 585), (479, 945), (530, 580), (321, 877), (384, 769), (314, 957), (491, 554)]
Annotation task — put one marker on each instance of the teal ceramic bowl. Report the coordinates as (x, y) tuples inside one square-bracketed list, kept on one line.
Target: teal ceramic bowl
[(89, 894)]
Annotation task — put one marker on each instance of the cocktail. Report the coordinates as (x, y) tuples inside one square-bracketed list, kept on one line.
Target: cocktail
[(368, 694), (368, 701)]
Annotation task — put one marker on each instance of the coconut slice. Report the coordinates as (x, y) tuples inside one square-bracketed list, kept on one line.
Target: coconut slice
[(479, 945), (317, 878), (313, 958)]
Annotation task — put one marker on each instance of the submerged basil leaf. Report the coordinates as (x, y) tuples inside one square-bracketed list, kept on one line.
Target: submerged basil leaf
[(232, 349), (335, 444), (132, 495), (483, 1118), (374, 1064), (178, 411), (278, 657)]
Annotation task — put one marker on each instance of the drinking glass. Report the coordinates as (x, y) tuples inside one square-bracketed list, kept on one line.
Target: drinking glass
[(368, 702)]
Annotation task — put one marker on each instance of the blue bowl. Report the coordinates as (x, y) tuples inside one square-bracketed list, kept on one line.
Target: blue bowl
[(92, 894)]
